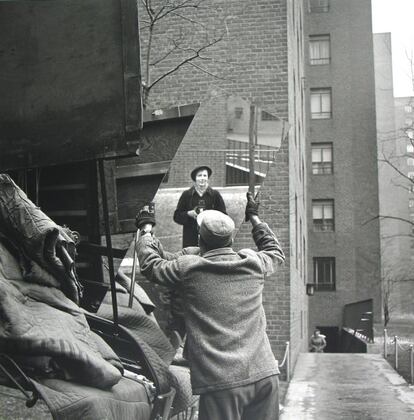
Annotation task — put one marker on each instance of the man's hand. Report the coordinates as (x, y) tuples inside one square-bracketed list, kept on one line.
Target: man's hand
[(144, 219), (252, 206)]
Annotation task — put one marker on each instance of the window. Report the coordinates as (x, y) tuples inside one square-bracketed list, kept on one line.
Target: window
[(408, 109), (238, 112), (318, 6), (319, 49), (410, 148), (411, 178), (324, 273), (411, 203), (321, 103), (410, 134), (322, 162), (323, 215)]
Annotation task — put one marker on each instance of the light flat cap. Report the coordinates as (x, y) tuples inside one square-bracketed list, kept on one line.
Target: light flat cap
[(215, 228)]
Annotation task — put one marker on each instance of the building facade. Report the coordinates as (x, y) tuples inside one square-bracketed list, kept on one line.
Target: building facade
[(259, 58), (402, 282), (344, 249), (394, 147), (296, 61)]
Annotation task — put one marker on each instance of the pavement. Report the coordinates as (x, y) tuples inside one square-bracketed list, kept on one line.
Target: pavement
[(331, 386), (327, 386)]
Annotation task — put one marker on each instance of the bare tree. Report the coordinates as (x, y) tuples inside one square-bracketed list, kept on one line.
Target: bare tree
[(388, 283), (395, 151), (177, 33)]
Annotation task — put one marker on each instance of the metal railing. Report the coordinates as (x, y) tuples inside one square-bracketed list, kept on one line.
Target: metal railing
[(358, 316), (402, 356), (237, 162), (286, 361)]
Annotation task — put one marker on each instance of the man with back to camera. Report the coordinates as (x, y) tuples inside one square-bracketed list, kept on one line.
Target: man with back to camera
[(232, 365)]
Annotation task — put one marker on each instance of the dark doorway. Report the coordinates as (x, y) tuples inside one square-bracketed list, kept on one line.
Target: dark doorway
[(332, 338)]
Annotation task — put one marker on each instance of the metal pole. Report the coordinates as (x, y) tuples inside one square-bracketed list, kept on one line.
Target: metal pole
[(252, 141), (287, 361), (134, 268), (108, 241), (385, 343), (412, 364), (396, 351)]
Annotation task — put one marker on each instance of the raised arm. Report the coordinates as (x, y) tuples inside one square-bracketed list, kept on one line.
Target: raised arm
[(270, 251), (154, 265)]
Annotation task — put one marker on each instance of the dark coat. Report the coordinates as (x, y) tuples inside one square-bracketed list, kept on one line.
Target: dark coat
[(189, 200), (227, 344)]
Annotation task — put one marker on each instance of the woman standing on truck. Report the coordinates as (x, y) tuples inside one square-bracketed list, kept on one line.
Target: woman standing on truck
[(193, 201)]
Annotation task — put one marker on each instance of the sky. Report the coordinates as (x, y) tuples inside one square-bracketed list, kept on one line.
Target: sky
[(396, 16)]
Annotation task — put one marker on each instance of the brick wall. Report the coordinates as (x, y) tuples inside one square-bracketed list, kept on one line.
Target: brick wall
[(203, 143), (274, 210), (254, 61), (354, 183), (250, 61)]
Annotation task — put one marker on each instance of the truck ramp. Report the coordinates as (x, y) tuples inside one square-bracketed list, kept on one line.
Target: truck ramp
[(331, 386)]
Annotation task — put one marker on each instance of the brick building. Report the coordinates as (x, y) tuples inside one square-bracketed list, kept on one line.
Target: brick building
[(320, 208), (394, 200), (403, 281), (344, 248), (259, 59)]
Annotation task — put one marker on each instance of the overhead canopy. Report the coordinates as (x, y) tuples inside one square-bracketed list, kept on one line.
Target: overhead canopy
[(69, 81)]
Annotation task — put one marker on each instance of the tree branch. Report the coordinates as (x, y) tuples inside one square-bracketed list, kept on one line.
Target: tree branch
[(184, 5), (183, 62), (388, 162), (209, 73), (381, 217)]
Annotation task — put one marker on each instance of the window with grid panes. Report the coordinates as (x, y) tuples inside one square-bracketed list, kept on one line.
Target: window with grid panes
[(321, 103), (318, 6), (322, 158), (324, 273), (319, 50), (323, 215)]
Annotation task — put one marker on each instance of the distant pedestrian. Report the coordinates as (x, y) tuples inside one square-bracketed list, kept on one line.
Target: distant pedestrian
[(317, 342)]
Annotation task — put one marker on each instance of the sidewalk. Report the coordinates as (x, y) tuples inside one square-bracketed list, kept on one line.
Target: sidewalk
[(331, 386)]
